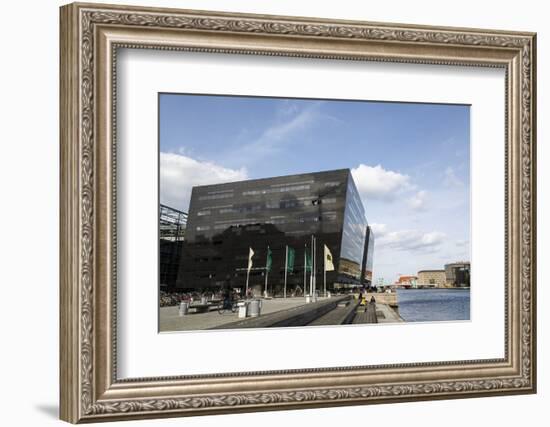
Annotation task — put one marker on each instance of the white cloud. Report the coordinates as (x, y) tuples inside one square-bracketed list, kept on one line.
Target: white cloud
[(379, 230), (290, 122), (418, 201), (411, 240), (375, 182), (295, 120), (179, 173), (288, 108), (451, 180), (282, 130)]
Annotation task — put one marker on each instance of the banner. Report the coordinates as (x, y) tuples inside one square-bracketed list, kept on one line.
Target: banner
[(250, 255), (308, 260), (291, 254), (268, 261), (329, 265)]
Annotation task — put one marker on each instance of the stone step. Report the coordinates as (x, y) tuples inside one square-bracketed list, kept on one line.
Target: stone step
[(298, 316), (341, 315)]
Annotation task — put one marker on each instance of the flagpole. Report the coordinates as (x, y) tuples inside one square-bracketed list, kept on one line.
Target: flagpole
[(248, 271), (315, 281), (286, 270), (266, 272), (310, 292), (314, 286), (324, 273), (247, 274), (305, 268)]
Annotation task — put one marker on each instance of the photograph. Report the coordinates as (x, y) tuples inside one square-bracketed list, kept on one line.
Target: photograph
[(293, 212)]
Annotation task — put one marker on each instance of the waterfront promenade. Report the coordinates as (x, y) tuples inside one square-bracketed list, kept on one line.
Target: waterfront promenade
[(170, 319), (281, 312)]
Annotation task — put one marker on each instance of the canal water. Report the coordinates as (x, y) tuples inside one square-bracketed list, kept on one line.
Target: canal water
[(427, 305)]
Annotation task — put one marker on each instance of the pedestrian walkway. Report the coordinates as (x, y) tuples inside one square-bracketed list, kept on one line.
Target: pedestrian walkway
[(170, 319), (297, 316), (386, 314), (281, 312), (366, 314)]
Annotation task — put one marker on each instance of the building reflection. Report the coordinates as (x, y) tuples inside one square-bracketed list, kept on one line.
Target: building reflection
[(226, 221)]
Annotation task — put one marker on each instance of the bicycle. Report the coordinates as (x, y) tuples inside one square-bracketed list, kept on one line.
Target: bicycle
[(226, 306)]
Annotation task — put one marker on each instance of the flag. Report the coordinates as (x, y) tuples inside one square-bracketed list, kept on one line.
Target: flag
[(329, 265), (268, 260), (250, 255), (308, 260), (290, 259)]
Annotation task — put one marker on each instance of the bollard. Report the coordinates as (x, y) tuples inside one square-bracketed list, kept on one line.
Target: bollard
[(184, 308), (203, 300), (254, 309), (308, 299), (243, 309)]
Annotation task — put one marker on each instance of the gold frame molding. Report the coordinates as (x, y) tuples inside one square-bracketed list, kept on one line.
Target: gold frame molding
[(90, 37)]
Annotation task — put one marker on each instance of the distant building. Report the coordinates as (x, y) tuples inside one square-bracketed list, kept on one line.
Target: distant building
[(432, 278), (407, 281), (457, 274), (172, 223), (227, 220)]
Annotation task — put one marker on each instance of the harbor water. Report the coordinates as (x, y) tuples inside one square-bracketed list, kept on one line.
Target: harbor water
[(427, 305)]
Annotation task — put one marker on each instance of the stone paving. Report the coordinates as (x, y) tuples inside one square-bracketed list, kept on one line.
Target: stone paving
[(386, 314), (171, 321), (365, 314), (301, 315), (378, 313), (338, 316)]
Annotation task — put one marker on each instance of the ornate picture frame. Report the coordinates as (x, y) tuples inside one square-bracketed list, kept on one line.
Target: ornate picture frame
[(90, 37)]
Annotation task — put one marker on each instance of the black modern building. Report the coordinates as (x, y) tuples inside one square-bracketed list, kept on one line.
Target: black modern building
[(226, 221), (368, 258)]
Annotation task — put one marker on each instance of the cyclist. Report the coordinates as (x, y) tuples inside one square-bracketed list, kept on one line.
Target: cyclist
[(227, 296)]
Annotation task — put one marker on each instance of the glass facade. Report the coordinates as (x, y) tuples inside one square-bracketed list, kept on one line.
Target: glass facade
[(172, 225), (353, 237), (226, 220), (369, 259)]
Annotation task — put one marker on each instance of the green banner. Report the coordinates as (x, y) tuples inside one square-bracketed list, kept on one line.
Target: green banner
[(308, 260), (290, 260), (269, 260)]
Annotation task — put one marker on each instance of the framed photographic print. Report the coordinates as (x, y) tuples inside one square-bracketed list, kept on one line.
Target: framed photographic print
[(260, 212), (265, 212)]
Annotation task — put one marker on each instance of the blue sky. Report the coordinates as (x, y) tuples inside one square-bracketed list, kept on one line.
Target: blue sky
[(410, 162)]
